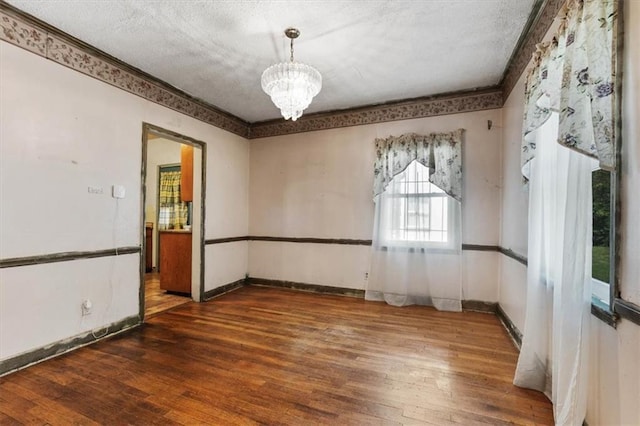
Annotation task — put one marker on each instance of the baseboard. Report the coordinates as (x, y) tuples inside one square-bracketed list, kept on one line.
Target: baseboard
[(210, 294), (313, 288), (467, 305), (479, 306), (511, 328), (35, 356)]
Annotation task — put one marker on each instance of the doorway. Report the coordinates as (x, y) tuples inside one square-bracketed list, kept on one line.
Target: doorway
[(173, 170)]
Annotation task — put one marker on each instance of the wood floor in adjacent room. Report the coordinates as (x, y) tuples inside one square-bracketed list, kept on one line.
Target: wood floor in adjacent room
[(157, 300), (271, 356)]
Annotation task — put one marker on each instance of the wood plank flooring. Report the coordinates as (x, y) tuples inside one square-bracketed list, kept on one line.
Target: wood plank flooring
[(279, 357), (157, 300)]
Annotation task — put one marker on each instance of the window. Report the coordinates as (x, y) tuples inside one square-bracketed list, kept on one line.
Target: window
[(417, 213), (601, 252), (173, 213)]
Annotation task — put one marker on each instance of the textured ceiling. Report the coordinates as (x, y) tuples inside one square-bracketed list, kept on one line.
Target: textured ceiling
[(367, 51)]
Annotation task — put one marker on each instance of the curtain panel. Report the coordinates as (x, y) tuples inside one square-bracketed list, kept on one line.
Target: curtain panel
[(441, 153), (569, 127), (574, 75), (555, 345), (173, 212), (416, 250), (170, 188)]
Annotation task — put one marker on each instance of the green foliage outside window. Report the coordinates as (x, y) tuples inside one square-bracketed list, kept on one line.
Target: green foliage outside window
[(601, 261)]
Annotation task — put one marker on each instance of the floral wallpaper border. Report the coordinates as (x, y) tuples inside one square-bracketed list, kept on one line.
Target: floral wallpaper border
[(428, 107), (65, 50), (519, 62), (46, 41)]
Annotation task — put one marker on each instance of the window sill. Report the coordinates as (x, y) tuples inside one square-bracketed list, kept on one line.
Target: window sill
[(403, 248), (600, 310)]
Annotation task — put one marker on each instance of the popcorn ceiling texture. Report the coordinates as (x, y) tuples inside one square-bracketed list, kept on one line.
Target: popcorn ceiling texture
[(367, 51)]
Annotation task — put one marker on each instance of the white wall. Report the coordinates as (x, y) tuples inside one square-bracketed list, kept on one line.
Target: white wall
[(227, 210), (514, 207), (319, 184), (41, 304), (614, 388), (62, 131), (159, 152)]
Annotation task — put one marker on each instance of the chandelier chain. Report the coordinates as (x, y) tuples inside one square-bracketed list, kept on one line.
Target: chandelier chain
[(291, 50)]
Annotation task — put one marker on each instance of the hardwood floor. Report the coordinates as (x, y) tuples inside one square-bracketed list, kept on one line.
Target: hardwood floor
[(157, 300), (272, 356)]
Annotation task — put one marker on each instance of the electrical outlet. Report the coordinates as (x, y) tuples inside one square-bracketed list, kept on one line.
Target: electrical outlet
[(86, 307), (366, 275)]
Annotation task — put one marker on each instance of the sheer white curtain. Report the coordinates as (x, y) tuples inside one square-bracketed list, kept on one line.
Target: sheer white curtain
[(569, 127), (416, 252), (553, 357)]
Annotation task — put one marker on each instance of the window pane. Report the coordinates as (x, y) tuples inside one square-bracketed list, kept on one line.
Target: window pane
[(601, 189), (397, 213), (415, 209), (438, 236), (437, 211)]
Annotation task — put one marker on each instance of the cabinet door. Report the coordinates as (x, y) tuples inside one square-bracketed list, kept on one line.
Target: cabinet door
[(175, 261), (186, 168)]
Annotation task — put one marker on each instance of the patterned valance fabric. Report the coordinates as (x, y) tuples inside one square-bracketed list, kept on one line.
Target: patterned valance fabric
[(170, 188), (173, 213), (574, 75), (440, 152)]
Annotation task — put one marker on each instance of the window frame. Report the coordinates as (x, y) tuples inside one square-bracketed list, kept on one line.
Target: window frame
[(601, 310), (424, 245), (620, 308)]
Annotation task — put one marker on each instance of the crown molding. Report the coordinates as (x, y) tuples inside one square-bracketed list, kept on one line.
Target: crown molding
[(36, 36), (445, 104), (541, 19), (27, 32)]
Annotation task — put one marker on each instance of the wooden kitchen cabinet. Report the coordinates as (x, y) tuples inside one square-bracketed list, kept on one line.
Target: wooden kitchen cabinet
[(186, 169), (175, 261)]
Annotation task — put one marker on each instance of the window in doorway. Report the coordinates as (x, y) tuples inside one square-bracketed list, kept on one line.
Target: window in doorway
[(173, 213)]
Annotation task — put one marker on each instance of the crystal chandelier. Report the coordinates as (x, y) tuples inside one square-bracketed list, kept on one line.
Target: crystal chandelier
[(291, 85)]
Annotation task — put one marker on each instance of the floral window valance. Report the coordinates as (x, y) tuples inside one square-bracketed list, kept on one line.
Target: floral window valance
[(440, 152), (574, 75)]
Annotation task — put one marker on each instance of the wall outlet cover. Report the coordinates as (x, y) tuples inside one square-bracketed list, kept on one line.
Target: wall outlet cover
[(86, 307), (118, 191)]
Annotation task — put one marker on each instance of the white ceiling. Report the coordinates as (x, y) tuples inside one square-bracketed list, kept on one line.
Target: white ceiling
[(368, 51)]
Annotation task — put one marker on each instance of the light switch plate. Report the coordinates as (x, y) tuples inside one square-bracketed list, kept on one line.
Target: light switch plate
[(118, 191)]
